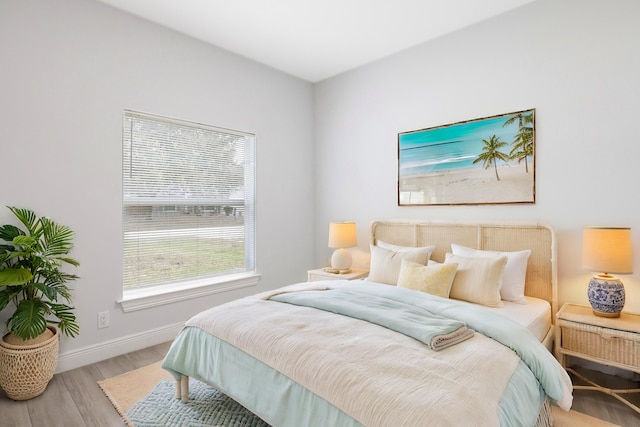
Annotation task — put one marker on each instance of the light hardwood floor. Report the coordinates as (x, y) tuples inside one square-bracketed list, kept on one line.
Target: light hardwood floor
[(73, 398)]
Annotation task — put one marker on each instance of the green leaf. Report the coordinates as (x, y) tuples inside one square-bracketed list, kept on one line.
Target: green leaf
[(7, 295), (28, 321), (5, 248), (67, 323), (4, 257), (28, 218), (69, 261), (58, 239), (15, 276), (44, 290), (8, 232), (26, 241)]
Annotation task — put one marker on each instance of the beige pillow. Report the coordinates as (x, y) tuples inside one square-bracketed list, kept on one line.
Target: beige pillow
[(515, 272), (432, 279), (385, 264), (478, 279)]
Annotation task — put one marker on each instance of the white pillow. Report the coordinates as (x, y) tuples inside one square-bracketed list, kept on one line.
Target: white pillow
[(515, 272), (385, 264), (478, 279), (432, 279), (397, 248)]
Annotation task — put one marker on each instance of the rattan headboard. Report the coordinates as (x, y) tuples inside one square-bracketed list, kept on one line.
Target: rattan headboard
[(541, 281)]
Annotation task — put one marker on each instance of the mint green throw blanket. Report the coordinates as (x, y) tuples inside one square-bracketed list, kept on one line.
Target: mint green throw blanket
[(434, 330)]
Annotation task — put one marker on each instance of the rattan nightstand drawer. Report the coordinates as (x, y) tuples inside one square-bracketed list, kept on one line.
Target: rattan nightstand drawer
[(612, 345)]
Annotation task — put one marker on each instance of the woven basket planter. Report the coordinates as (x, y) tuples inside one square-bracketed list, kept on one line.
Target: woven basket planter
[(25, 371)]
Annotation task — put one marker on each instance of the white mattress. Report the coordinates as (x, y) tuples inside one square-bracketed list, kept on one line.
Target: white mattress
[(535, 316)]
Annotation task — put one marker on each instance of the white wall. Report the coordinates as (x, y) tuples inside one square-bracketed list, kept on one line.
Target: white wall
[(575, 61), (69, 68)]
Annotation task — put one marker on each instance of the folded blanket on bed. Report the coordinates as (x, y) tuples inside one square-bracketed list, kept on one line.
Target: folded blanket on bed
[(447, 340), (436, 331)]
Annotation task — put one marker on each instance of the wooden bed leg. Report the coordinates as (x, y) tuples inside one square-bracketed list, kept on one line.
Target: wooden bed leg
[(178, 389), (184, 388)]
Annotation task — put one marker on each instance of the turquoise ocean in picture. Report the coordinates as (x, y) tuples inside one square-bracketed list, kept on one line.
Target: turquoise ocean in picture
[(450, 148)]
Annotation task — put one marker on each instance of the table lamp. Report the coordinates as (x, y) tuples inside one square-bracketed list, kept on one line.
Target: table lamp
[(607, 250), (342, 235)]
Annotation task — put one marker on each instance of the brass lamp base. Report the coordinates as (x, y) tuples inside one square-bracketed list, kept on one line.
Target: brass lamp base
[(336, 270), (610, 315)]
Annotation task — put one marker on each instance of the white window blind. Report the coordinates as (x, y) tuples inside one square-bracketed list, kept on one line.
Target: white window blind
[(188, 201)]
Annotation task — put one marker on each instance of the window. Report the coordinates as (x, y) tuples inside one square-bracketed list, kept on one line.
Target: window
[(188, 206)]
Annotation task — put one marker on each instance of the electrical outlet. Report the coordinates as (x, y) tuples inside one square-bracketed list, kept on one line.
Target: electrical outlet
[(103, 319)]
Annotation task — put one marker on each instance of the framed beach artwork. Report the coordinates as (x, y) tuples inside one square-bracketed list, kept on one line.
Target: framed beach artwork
[(482, 161)]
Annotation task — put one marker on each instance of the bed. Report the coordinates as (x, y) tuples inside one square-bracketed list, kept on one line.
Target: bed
[(382, 351)]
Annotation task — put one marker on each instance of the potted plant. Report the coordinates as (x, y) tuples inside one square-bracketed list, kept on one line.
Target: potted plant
[(33, 281)]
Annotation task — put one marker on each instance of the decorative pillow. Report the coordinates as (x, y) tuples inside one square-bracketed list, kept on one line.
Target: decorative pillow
[(515, 272), (477, 279), (432, 279), (385, 263)]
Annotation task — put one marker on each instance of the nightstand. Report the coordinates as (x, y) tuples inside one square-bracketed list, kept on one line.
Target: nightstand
[(608, 341), (320, 274)]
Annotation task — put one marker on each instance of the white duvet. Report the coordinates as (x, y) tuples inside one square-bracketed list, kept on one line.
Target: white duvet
[(377, 376)]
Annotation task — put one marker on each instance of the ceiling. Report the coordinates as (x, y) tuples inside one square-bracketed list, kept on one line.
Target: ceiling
[(315, 39)]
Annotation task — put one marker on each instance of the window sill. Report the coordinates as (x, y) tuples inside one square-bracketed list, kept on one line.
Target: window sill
[(140, 299)]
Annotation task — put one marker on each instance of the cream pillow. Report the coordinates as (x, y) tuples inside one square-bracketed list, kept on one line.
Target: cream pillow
[(477, 279), (515, 272), (385, 264), (432, 279)]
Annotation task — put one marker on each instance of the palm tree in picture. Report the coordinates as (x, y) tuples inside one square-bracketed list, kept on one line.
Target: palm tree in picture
[(523, 141), (491, 154), (522, 148), (523, 118)]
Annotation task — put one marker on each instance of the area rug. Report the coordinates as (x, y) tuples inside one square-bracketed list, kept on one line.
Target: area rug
[(145, 397), (206, 407), (125, 390)]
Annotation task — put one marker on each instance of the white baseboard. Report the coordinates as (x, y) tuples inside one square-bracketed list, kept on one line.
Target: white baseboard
[(108, 349)]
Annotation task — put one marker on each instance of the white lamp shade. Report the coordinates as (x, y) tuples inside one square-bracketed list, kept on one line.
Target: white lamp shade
[(342, 235), (607, 250)]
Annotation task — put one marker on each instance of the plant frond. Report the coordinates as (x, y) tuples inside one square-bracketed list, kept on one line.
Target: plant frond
[(47, 291), (69, 261), (8, 232), (7, 295), (58, 239), (28, 321), (25, 241), (55, 291), (14, 276), (67, 323), (5, 248), (28, 218)]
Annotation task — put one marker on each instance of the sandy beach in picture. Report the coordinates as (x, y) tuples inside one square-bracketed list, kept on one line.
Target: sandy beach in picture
[(469, 186)]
